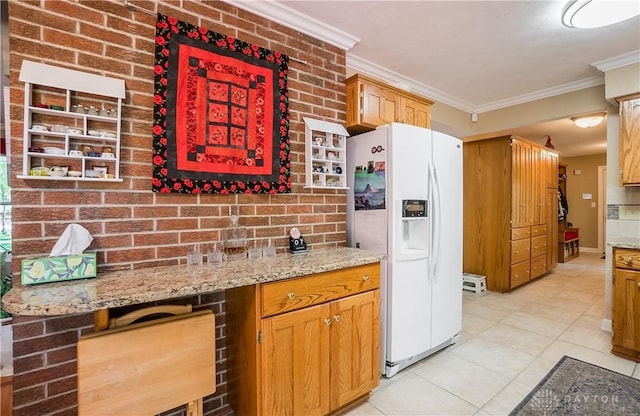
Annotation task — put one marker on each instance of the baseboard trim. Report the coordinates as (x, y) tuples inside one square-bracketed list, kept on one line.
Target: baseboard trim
[(590, 250)]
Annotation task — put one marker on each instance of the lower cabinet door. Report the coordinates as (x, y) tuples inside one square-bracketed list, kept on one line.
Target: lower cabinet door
[(626, 313), (355, 347), (295, 357)]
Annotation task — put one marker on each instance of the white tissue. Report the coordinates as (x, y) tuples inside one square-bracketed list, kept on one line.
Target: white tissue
[(74, 240)]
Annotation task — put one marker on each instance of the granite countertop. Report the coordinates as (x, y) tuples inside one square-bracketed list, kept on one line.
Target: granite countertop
[(130, 287), (625, 242)]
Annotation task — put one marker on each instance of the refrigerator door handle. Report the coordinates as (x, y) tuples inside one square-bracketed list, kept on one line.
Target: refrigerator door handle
[(435, 214)]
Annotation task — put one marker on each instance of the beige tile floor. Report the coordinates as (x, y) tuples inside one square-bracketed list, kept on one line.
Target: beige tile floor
[(508, 344)]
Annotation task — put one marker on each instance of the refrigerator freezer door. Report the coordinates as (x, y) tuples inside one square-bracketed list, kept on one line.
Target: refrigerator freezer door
[(409, 152), (446, 298)]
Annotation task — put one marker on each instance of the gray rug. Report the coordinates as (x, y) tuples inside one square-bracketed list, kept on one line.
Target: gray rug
[(574, 387)]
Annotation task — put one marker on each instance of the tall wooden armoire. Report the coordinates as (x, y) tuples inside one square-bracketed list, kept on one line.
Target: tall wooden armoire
[(510, 211)]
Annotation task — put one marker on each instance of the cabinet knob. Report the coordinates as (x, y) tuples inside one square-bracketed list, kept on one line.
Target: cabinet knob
[(291, 295), (638, 284), (365, 278), (337, 318), (630, 261), (327, 321)]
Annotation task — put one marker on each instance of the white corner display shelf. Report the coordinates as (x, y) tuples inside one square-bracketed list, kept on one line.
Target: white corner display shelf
[(325, 154), (72, 122)]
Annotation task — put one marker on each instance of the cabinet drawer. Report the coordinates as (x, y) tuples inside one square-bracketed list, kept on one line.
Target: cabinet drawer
[(520, 273), (520, 251), (520, 233), (537, 230), (538, 266), (538, 246), (297, 293), (626, 258)]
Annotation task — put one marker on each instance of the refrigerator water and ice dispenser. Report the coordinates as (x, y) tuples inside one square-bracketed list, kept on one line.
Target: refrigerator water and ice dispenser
[(414, 230)]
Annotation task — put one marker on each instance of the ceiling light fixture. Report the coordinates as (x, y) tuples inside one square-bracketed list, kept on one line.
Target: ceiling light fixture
[(590, 120), (588, 14)]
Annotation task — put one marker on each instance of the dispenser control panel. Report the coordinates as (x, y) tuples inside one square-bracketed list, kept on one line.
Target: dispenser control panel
[(414, 208)]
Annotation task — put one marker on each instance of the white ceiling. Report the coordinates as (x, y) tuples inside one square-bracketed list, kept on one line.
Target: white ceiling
[(477, 56)]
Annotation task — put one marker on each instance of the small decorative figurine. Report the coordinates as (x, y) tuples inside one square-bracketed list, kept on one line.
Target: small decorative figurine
[(549, 144), (296, 242)]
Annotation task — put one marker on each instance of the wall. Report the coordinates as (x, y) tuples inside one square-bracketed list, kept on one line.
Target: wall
[(132, 227), (581, 212), (620, 82)]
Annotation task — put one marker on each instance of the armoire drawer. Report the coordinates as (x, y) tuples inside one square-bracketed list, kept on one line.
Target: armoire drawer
[(301, 292), (520, 233), (520, 251), (537, 230), (538, 266), (520, 273), (538, 246)]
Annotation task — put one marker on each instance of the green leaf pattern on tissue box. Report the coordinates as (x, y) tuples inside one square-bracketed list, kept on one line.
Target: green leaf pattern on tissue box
[(56, 269)]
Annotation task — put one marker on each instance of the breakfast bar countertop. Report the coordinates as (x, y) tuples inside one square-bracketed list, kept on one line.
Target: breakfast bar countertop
[(129, 287)]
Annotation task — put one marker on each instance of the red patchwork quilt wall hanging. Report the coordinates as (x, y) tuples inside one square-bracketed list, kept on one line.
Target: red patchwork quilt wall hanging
[(221, 113)]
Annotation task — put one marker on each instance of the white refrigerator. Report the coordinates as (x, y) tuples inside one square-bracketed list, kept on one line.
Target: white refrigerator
[(405, 199)]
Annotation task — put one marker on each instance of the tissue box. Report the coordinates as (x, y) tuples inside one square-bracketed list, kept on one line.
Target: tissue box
[(58, 269)]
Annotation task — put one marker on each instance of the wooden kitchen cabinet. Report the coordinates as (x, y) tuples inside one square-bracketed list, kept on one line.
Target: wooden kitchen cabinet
[(372, 103), (510, 201), (308, 345), (415, 112), (630, 141), (626, 303)]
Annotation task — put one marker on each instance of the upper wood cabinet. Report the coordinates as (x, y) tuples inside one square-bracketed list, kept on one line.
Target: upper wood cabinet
[(372, 103), (630, 141)]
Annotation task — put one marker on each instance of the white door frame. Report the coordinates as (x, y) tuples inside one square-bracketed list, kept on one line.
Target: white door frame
[(602, 208)]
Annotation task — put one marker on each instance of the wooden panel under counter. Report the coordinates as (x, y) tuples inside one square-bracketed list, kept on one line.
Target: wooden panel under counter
[(625, 317), (291, 341), (626, 258), (292, 294)]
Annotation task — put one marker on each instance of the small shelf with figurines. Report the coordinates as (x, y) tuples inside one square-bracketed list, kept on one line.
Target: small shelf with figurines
[(71, 124), (325, 154)]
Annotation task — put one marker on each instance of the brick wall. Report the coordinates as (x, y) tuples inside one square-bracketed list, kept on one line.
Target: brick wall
[(133, 227)]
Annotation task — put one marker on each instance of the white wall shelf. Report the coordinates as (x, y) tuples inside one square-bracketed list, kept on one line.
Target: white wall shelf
[(325, 154), (58, 132)]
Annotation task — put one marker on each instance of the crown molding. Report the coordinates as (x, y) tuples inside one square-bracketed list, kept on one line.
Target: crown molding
[(277, 12), (409, 84), (541, 94), (632, 57)]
